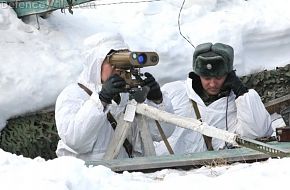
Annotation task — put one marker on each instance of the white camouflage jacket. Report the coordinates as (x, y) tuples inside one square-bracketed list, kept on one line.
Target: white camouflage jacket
[(81, 120), (246, 116)]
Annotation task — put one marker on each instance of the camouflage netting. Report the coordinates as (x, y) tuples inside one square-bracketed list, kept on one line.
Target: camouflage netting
[(270, 84), (31, 136), (36, 135)]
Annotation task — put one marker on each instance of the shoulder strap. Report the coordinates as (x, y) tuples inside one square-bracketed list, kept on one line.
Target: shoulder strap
[(164, 137), (207, 139), (127, 145), (88, 91), (196, 110)]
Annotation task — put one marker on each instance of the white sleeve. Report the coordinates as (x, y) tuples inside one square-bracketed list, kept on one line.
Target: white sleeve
[(253, 120), (167, 128), (79, 118)]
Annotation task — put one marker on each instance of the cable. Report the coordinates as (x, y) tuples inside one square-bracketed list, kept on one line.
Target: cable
[(179, 25)]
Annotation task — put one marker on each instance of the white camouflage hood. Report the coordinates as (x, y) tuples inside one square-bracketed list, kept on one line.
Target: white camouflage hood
[(97, 47)]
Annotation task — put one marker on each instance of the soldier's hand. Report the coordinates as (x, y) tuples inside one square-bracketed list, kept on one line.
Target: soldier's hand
[(154, 93), (233, 82), (111, 87)]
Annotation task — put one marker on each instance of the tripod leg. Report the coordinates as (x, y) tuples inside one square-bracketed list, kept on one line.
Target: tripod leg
[(121, 133), (149, 149)]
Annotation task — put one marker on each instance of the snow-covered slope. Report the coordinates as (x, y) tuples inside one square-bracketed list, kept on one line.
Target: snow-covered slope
[(36, 64)]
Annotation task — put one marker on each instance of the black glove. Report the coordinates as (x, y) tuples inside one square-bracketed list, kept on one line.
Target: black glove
[(154, 93), (233, 82), (112, 87)]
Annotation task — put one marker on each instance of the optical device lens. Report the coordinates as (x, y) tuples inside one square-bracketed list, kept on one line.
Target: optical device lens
[(154, 59), (142, 58)]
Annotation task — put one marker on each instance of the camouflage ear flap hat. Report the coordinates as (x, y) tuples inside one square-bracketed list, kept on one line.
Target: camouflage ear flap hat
[(213, 60)]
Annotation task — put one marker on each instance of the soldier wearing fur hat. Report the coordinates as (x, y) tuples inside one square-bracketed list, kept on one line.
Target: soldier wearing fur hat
[(214, 94)]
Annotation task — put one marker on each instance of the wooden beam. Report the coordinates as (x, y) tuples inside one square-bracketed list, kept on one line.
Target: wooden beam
[(185, 122), (220, 157), (278, 104), (149, 149), (121, 133)]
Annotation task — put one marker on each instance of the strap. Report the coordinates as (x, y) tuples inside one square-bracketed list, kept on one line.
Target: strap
[(164, 137), (127, 145), (88, 91), (206, 139)]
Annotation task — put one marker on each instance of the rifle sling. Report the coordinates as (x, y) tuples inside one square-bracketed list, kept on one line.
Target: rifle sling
[(207, 139), (127, 145)]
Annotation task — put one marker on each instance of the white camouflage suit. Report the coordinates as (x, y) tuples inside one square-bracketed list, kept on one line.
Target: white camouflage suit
[(81, 120), (246, 116)]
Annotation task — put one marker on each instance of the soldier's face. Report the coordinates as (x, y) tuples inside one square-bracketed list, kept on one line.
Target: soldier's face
[(107, 71), (212, 85)]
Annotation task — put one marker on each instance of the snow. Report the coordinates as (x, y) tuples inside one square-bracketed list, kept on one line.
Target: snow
[(37, 62), (70, 173)]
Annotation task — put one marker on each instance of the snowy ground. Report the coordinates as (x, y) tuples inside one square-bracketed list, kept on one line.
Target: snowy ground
[(36, 64), (67, 173)]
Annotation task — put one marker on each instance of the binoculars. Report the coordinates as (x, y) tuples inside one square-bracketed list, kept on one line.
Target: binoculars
[(129, 64), (128, 60)]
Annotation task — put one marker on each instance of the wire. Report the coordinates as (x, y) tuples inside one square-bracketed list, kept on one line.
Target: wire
[(129, 2), (179, 25)]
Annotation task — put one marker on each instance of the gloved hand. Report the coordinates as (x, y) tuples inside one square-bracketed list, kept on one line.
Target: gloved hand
[(154, 93), (233, 82), (112, 87)]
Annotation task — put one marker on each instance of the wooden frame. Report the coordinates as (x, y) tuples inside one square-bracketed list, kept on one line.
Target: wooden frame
[(187, 161)]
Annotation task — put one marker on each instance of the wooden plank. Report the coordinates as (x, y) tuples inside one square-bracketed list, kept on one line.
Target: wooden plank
[(185, 122), (121, 133), (149, 149), (226, 156), (277, 104)]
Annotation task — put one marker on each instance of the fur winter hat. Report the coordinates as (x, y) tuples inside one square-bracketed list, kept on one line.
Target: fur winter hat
[(213, 59)]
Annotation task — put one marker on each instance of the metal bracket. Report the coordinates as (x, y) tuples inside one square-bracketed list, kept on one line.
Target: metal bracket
[(262, 147)]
